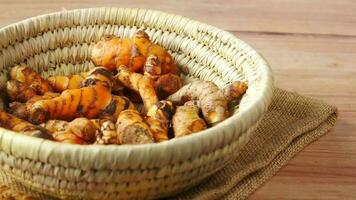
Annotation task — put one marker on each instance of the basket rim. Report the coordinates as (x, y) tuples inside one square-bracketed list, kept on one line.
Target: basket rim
[(259, 105)]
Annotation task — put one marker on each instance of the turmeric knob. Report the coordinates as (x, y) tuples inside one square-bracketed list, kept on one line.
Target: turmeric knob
[(83, 128), (234, 90), (139, 83), (18, 91), (107, 52), (61, 83), (209, 98), (167, 84), (30, 78), (67, 137), (131, 128), (53, 126), (186, 120), (158, 119), (21, 110), (112, 52), (78, 131)]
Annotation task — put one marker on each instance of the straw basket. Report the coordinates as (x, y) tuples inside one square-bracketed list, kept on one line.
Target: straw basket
[(60, 43)]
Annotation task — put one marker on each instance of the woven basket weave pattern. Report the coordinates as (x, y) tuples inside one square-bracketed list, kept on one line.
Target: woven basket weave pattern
[(61, 43)]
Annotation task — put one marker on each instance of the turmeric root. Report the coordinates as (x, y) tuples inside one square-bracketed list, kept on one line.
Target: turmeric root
[(112, 52), (83, 131), (83, 128), (53, 126), (234, 90), (21, 110), (18, 91), (209, 97), (164, 86), (67, 137), (186, 120), (76, 131), (13, 123), (89, 102), (158, 119), (92, 101), (84, 102), (111, 111), (131, 128), (139, 83), (167, 84), (61, 83), (30, 78)]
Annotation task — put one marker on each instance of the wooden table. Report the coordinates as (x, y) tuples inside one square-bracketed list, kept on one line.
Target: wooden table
[(311, 46)]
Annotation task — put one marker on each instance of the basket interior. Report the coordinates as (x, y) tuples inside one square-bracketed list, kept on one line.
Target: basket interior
[(60, 44), (63, 47)]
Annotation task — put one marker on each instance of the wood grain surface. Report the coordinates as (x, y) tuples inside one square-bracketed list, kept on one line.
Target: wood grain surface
[(311, 46)]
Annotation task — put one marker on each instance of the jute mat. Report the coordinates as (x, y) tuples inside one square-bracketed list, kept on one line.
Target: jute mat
[(291, 123)]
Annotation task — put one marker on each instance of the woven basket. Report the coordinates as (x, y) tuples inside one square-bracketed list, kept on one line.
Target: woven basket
[(61, 43)]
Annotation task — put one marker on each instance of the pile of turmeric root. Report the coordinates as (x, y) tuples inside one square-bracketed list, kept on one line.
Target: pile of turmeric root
[(134, 96)]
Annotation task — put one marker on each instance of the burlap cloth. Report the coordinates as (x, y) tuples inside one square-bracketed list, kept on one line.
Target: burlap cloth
[(291, 123)]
